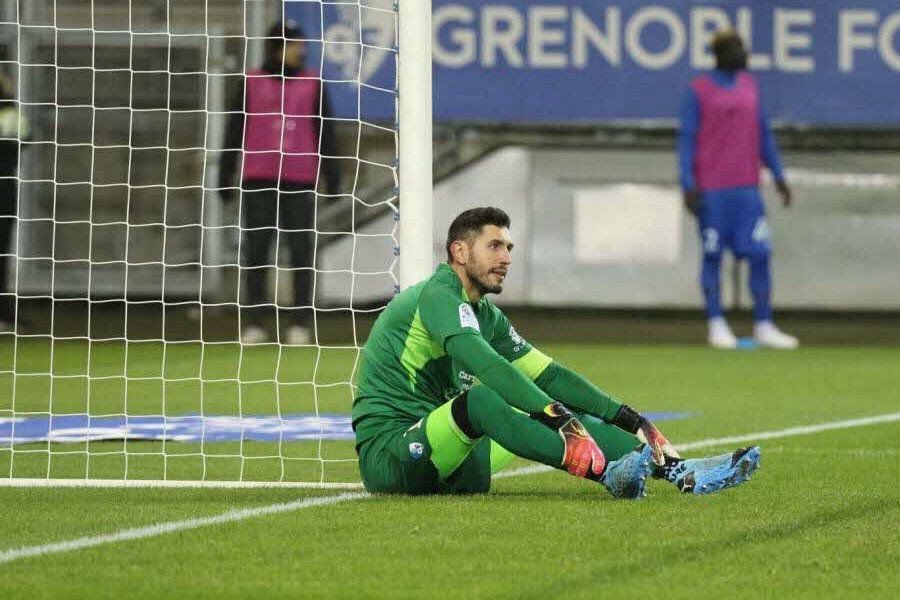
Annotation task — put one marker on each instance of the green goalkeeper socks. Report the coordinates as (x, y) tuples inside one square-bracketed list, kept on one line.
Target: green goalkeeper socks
[(487, 414), (511, 431), (614, 442), (490, 415)]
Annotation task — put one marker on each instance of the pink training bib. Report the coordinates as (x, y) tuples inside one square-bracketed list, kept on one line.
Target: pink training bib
[(728, 140), (281, 141)]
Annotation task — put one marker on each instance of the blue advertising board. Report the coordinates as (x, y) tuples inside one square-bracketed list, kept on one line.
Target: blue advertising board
[(75, 428), (819, 63)]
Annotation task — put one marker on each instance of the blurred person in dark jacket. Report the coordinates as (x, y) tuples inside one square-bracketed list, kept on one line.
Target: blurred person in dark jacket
[(13, 131), (279, 130)]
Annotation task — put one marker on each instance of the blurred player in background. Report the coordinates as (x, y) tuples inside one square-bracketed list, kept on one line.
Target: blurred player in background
[(283, 133), (449, 393), (724, 138), (13, 130)]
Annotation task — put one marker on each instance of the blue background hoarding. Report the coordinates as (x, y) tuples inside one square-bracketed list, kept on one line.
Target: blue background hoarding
[(819, 63)]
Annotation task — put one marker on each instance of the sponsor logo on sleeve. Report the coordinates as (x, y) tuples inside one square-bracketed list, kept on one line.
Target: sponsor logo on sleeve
[(467, 317), (517, 339), (466, 381)]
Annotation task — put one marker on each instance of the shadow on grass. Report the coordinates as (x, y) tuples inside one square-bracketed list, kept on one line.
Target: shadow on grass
[(709, 550), (585, 494)]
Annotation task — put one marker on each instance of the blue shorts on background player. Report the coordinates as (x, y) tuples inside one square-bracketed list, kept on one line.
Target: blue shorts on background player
[(724, 139)]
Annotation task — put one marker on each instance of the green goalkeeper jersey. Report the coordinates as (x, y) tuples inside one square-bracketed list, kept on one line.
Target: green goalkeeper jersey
[(406, 372)]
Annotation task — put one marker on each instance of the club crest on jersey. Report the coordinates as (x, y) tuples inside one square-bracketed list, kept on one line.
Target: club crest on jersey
[(416, 450), (467, 317)]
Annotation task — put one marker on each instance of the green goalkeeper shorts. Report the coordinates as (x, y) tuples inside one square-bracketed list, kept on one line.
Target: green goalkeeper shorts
[(399, 462), (431, 456)]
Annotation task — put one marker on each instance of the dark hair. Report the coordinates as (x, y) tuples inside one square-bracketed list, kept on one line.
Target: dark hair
[(724, 38), (469, 223), (279, 33)]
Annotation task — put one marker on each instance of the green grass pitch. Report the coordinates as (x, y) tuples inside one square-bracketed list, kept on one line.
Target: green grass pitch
[(819, 520)]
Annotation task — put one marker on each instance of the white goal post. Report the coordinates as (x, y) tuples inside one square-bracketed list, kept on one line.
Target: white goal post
[(124, 360)]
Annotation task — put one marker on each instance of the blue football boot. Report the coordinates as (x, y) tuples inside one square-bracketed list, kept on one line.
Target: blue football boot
[(626, 477), (712, 474)]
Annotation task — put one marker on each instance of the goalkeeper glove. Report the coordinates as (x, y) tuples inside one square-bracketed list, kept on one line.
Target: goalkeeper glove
[(582, 456), (646, 432)]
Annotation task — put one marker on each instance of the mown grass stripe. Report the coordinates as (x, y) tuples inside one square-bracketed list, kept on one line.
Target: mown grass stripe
[(246, 513)]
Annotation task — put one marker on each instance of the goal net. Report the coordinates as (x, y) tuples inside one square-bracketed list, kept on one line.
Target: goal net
[(176, 181)]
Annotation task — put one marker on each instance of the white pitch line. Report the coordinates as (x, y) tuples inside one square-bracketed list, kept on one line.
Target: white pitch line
[(170, 483), (791, 431), (174, 526), (736, 439), (247, 513)]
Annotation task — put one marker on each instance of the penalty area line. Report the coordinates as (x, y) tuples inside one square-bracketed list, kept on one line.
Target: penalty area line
[(247, 513)]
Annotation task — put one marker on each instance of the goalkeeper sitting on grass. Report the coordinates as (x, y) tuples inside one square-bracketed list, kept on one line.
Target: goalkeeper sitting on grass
[(449, 393)]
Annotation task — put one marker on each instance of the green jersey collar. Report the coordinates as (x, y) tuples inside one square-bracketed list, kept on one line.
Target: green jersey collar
[(446, 274)]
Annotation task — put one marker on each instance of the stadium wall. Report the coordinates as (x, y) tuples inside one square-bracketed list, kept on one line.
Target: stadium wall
[(605, 228)]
